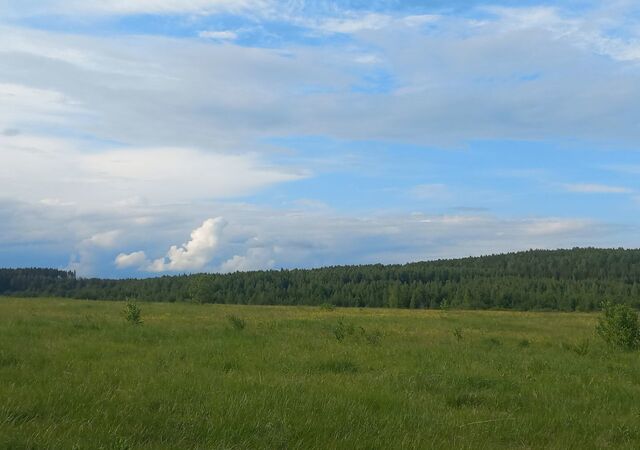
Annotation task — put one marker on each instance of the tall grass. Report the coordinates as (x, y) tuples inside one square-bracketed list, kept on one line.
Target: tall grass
[(73, 374)]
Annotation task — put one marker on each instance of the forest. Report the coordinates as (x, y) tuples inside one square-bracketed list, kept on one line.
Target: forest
[(576, 279)]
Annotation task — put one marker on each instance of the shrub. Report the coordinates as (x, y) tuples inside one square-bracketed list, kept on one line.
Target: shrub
[(132, 313), (523, 343), (374, 337), (236, 322), (343, 329), (458, 334), (618, 326), (7, 360)]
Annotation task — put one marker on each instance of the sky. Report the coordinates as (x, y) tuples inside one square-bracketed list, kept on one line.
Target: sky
[(149, 137)]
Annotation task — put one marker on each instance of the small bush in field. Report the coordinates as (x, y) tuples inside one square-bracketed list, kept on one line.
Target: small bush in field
[(374, 337), (343, 329), (457, 333), (236, 322), (618, 326), (523, 343), (132, 313)]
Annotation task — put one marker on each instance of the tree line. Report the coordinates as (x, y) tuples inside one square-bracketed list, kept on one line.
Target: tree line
[(567, 280)]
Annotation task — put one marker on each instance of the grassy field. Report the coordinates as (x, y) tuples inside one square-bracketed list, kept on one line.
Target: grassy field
[(75, 374)]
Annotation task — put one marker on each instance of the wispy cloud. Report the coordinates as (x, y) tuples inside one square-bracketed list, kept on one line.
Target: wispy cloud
[(632, 169), (592, 188), (125, 7), (33, 168), (221, 35)]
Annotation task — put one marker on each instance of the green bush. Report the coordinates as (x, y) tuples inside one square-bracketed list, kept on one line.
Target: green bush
[(374, 337), (457, 332), (343, 329), (523, 343), (618, 326), (236, 322), (132, 313)]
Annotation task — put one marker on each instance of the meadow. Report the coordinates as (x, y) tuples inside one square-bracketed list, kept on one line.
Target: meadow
[(76, 374)]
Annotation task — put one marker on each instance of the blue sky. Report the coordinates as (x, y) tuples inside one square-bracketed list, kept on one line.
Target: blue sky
[(164, 136)]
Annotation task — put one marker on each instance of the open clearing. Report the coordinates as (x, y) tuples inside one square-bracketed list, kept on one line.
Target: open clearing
[(75, 374)]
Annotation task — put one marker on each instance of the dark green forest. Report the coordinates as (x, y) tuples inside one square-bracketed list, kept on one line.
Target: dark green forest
[(566, 280)]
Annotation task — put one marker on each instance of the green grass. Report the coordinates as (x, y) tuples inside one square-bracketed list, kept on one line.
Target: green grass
[(75, 374)]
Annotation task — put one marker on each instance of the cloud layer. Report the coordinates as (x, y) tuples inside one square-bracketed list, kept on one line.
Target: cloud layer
[(290, 121)]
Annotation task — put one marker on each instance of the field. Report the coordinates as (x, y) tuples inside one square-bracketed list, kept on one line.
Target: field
[(75, 374)]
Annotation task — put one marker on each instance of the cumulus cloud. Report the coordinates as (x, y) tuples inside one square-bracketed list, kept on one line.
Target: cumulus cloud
[(196, 253), (108, 239), (259, 237), (136, 259), (259, 258), (89, 252)]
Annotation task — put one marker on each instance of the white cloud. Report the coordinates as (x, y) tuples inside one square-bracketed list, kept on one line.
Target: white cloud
[(219, 35), (86, 258), (196, 253), (33, 168), (174, 173), (190, 120), (258, 237), (108, 239), (259, 258), (355, 24), (126, 7), (20, 104), (467, 81), (553, 227), (127, 260), (420, 19), (590, 31), (593, 188)]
